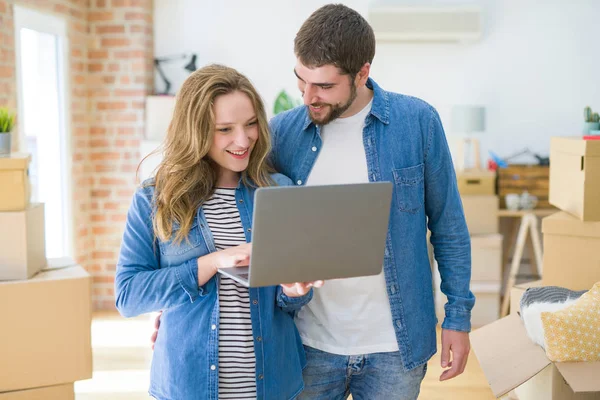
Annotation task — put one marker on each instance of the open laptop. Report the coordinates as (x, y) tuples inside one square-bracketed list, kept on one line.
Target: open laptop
[(308, 233)]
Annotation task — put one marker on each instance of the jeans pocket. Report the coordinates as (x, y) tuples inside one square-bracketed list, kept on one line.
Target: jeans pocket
[(409, 188)]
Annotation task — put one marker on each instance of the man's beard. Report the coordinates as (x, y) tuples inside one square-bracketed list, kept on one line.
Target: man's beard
[(335, 111)]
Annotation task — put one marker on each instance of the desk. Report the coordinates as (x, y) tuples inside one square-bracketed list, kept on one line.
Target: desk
[(518, 239)]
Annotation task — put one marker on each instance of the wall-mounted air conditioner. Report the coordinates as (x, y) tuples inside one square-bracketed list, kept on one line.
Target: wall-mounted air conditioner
[(440, 23)]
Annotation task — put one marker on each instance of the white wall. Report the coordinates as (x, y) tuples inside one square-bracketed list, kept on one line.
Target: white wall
[(534, 71)]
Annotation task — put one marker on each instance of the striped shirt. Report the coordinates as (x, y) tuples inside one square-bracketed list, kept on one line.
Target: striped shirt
[(237, 364)]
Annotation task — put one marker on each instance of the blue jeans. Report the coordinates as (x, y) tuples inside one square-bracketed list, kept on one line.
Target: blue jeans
[(374, 376)]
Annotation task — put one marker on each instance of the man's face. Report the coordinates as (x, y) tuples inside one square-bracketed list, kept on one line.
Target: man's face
[(326, 92)]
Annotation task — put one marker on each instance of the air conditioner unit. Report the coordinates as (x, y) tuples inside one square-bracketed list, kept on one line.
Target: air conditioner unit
[(426, 24)]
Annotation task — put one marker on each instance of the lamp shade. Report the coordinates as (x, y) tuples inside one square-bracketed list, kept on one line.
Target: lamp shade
[(468, 119)]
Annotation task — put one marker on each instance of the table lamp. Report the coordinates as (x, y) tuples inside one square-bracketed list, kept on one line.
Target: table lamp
[(467, 120)]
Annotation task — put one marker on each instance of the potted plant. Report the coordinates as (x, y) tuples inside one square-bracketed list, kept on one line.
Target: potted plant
[(591, 120), (284, 102), (7, 122)]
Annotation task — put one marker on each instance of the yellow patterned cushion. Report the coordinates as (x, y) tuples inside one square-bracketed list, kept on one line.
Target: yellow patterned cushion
[(573, 333)]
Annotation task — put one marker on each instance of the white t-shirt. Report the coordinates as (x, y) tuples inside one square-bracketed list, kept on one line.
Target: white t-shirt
[(346, 316)]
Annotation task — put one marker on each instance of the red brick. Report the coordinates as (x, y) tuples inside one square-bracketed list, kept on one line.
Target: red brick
[(95, 67), (98, 218), (100, 194), (75, 13), (105, 168), (112, 105), (98, 54), (61, 9), (136, 16), (114, 67), (95, 16), (127, 54), (111, 206), (96, 130), (113, 181), (130, 93), (103, 156), (109, 79), (98, 92), (94, 143), (103, 29), (106, 230), (6, 72), (79, 79), (115, 42), (125, 117)]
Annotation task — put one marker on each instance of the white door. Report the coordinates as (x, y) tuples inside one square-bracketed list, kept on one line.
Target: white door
[(41, 56)]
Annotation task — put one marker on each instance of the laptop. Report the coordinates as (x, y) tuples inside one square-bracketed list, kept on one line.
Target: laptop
[(309, 233)]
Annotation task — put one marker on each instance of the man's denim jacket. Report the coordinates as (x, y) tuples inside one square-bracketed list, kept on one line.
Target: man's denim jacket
[(405, 144)]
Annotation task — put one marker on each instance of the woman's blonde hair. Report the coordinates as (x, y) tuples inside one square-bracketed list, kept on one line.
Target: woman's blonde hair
[(187, 177)]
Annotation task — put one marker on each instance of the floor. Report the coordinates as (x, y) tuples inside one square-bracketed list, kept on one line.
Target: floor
[(122, 355)]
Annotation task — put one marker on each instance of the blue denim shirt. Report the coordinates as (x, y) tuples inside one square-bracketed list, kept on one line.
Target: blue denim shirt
[(153, 275), (405, 144)]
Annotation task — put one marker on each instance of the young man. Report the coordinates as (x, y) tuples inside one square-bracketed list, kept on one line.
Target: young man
[(372, 336)]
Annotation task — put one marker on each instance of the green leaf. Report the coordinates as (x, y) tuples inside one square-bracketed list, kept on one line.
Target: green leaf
[(284, 102), (7, 120)]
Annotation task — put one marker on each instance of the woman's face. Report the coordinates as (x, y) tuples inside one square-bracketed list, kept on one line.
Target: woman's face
[(236, 132)]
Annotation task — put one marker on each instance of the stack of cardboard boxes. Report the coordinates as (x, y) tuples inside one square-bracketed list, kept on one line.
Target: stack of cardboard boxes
[(510, 360), (45, 307), (480, 203)]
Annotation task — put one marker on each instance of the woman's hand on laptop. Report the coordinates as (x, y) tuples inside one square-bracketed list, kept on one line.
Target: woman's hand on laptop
[(209, 264), (299, 288)]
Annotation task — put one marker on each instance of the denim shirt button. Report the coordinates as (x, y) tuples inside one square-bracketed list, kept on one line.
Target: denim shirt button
[(213, 327), (255, 302), (249, 229), (212, 367), (399, 323), (299, 182), (241, 200), (259, 339), (261, 377), (314, 148)]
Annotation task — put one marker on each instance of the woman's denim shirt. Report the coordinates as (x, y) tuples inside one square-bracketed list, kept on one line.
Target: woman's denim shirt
[(154, 275)]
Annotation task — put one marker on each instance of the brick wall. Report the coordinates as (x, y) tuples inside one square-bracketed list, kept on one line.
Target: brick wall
[(111, 71), (121, 75)]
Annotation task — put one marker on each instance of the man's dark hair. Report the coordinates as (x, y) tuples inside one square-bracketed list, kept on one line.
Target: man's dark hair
[(338, 35)]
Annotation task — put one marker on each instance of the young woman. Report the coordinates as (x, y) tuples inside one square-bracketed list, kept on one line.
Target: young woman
[(217, 339)]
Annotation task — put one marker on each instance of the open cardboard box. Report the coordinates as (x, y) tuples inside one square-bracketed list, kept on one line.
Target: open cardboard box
[(509, 358)]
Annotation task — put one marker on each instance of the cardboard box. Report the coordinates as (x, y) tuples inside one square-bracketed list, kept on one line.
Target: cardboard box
[(59, 392), (550, 384), (486, 258), (476, 182), (22, 243), (575, 176), (571, 256), (509, 358), (46, 329), (481, 213), (517, 292), (14, 181)]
